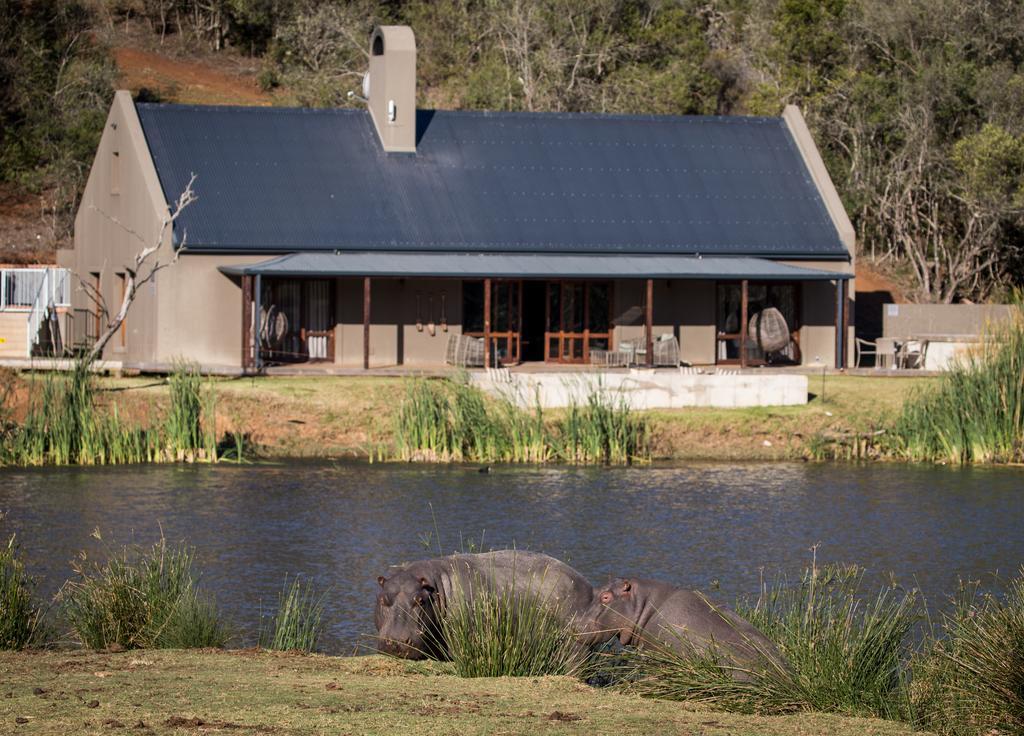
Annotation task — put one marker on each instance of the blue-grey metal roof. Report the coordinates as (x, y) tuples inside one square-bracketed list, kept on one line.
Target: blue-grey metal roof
[(283, 180), (529, 265)]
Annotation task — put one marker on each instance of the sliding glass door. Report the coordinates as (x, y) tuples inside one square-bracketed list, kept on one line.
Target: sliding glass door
[(579, 319)]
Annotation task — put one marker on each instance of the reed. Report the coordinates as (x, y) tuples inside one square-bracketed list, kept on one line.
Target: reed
[(708, 677), (141, 598), (602, 429), (971, 679), (844, 653), (452, 421), (22, 619), (847, 652), (66, 424), (298, 623), (975, 414), (183, 424)]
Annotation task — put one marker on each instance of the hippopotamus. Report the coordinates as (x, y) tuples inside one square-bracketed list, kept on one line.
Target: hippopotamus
[(414, 597), (655, 614)]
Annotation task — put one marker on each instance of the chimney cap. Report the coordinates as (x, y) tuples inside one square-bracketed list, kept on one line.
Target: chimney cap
[(392, 38)]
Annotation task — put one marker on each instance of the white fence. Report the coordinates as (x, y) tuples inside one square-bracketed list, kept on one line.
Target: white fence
[(43, 296), (22, 288)]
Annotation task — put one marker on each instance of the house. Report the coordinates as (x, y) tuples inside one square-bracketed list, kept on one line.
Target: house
[(369, 237)]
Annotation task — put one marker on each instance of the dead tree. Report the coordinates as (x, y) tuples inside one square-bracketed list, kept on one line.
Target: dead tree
[(143, 269)]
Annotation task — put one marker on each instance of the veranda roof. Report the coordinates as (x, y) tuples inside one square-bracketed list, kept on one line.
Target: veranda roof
[(528, 265)]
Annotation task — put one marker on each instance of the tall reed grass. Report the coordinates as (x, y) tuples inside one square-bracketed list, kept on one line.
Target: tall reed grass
[(602, 429), (452, 421), (22, 622), (976, 412), (505, 633), (847, 651), (142, 598), (844, 653), (970, 680), (67, 424), (298, 622)]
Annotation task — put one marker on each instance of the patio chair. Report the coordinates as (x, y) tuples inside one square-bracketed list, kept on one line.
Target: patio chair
[(883, 350), (912, 354), (666, 350)]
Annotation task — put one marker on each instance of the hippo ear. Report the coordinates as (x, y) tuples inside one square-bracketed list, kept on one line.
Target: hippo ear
[(381, 580), (626, 586), (425, 585)]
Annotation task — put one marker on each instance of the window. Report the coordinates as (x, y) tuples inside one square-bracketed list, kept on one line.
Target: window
[(115, 172)]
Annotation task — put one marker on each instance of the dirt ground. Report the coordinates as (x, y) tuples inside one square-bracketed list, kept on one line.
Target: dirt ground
[(188, 82), (248, 692)]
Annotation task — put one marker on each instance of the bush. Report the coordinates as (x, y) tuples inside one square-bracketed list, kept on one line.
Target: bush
[(498, 633), (298, 624), (142, 599), (21, 618), (971, 680)]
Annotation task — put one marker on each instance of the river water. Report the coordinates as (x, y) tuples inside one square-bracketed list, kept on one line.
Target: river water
[(714, 527)]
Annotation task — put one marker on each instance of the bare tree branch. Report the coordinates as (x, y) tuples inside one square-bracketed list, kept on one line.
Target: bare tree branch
[(143, 269)]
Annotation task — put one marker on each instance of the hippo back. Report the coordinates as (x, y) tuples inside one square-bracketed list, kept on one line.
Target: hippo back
[(551, 581)]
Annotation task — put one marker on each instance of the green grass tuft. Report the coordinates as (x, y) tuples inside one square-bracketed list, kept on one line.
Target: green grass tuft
[(142, 599), (22, 623), (298, 623), (847, 652), (502, 633), (844, 654), (971, 679)]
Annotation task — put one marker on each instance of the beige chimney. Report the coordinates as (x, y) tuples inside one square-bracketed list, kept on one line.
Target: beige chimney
[(391, 87)]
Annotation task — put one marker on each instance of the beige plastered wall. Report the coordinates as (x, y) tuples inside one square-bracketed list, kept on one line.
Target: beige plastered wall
[(407, 320), (13, 334), (121, 213)]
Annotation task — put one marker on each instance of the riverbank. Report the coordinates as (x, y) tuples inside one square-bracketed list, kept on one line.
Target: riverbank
[(348, 416), (209, 691)]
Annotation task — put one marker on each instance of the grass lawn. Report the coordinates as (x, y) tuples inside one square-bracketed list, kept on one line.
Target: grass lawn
[(245, 692)]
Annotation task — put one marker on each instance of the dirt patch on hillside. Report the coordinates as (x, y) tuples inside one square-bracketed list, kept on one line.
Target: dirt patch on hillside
[(24, 235), (185, 81)]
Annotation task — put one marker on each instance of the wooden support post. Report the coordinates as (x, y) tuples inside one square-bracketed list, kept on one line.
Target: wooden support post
[(257, 288), (248, 356), (487, 323), (744, 303), (841, 323), (649, 323), (366, 323)]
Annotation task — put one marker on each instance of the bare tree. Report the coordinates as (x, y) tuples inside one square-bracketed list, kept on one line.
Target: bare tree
[(143, 269)]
